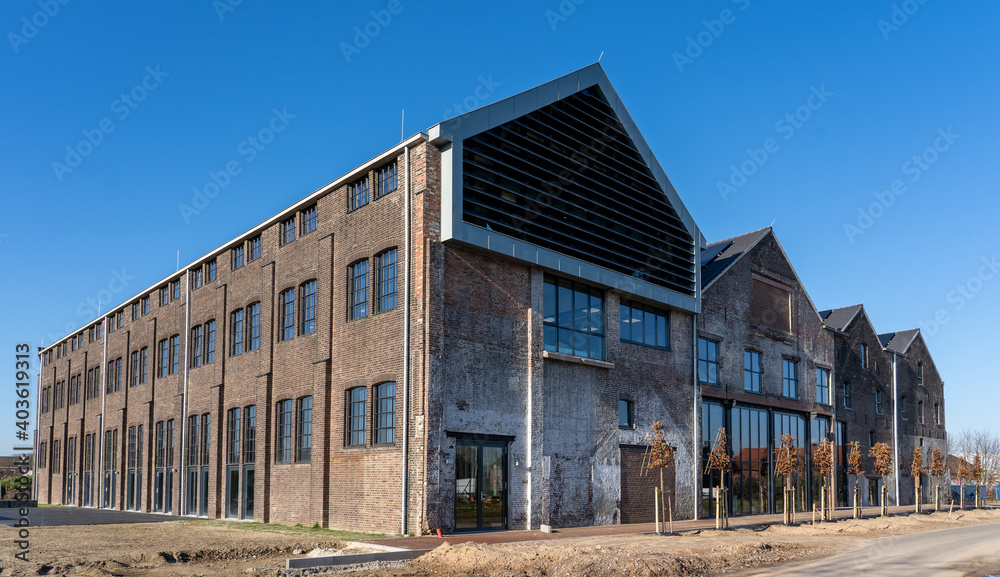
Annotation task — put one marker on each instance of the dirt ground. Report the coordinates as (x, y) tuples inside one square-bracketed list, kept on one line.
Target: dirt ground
[(201, 549)]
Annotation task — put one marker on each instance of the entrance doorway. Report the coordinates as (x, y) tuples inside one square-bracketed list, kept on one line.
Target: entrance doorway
[(480, 486)]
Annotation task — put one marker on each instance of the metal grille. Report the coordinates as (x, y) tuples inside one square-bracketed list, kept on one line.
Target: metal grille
[(568, 178)]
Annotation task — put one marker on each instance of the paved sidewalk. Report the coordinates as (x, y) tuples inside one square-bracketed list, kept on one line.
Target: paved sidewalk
[(432, 541)]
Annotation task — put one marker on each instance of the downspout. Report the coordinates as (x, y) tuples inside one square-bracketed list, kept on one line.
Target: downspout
[(187, 319), (34, 454), (695, 428), (103, 386), (895, 424), (406, 345)]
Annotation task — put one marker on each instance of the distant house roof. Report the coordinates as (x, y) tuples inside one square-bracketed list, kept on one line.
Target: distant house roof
[(840, 318), (954, 462), (898, 342), (718, 257)]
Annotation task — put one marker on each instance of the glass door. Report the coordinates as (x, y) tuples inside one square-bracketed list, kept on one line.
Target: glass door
[(480, 486)]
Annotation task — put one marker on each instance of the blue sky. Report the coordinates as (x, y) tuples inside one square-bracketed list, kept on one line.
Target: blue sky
[(867, 133)]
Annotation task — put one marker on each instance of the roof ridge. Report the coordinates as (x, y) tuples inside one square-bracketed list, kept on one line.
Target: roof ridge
[(766, 228)]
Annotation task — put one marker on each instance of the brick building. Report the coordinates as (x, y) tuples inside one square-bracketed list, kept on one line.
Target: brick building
[(473, 330)]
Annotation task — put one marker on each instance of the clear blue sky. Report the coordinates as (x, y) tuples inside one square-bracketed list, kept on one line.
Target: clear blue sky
[(199, 82)]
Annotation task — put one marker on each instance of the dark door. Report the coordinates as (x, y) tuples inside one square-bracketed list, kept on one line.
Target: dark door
[(480, 486)]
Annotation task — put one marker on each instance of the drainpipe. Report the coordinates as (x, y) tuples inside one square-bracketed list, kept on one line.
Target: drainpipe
[(406, 344), (184, 394), (103, 386), (695, 429), (895, 424)]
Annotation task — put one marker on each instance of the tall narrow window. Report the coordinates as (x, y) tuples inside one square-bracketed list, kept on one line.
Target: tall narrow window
[(357, 290), (249, 433), (385, 179), (307, 308), (210, 270), (752, 373), (878, 401), (920, 373), (283, 439), (134, 369), (864, 356), (823, 386), (196, 278), (175, 290), (143, 362), (789, 379), (236, 334), (209, 342), (175, 354), (871, 438), (145, 307), (164, 296), (196, 344), (253, 248), (136, 313), (847, 395), (233, 437), (937, 414), (356, 416), (708, 361), (358, 193), (286, 315), (206, 437), (385, 413), (303, 433), (385, 289), (287, 231), (192, 440), (920, 412), (253, 327), (309, 220), (237, 256), (573, 315), (626, 414)]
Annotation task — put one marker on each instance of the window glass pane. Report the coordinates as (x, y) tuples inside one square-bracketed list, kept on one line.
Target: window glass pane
[(638, 325), (565, 318), (549, 338), (566, 341), (549, 302), (650, 326), (596, 313), (625, 317)]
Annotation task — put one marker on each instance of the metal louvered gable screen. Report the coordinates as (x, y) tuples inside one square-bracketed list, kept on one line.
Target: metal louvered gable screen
[(568, 178)]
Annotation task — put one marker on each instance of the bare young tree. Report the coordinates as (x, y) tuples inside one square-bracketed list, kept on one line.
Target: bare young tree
[(823, 464), (986, 444), (883, 468), (917, 468), (661, 456), (786, 459), (856, 468), (963, 476), (937, 470), (977, 476), (719, 461)]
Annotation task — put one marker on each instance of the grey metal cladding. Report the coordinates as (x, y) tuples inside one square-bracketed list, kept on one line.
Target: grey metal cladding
[(560, 177)]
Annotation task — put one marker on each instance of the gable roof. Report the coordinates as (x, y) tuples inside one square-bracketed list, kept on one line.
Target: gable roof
[(618, 222), (898, 342), (840, 318), (722, 259)]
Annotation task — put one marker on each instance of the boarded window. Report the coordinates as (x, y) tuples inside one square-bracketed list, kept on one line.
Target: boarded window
[(770, 306)]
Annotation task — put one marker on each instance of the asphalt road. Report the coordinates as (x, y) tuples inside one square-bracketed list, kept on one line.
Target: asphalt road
[(965, 551)]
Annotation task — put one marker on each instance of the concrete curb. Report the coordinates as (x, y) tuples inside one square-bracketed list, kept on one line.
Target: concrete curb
[(340, 560)]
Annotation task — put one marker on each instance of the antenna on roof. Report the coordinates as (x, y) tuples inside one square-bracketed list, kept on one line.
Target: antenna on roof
[(599, 57), (178, 260), (402, 125), (772, 224)]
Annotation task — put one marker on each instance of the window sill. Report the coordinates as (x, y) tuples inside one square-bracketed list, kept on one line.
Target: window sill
[(646, 345), (578, 360)]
